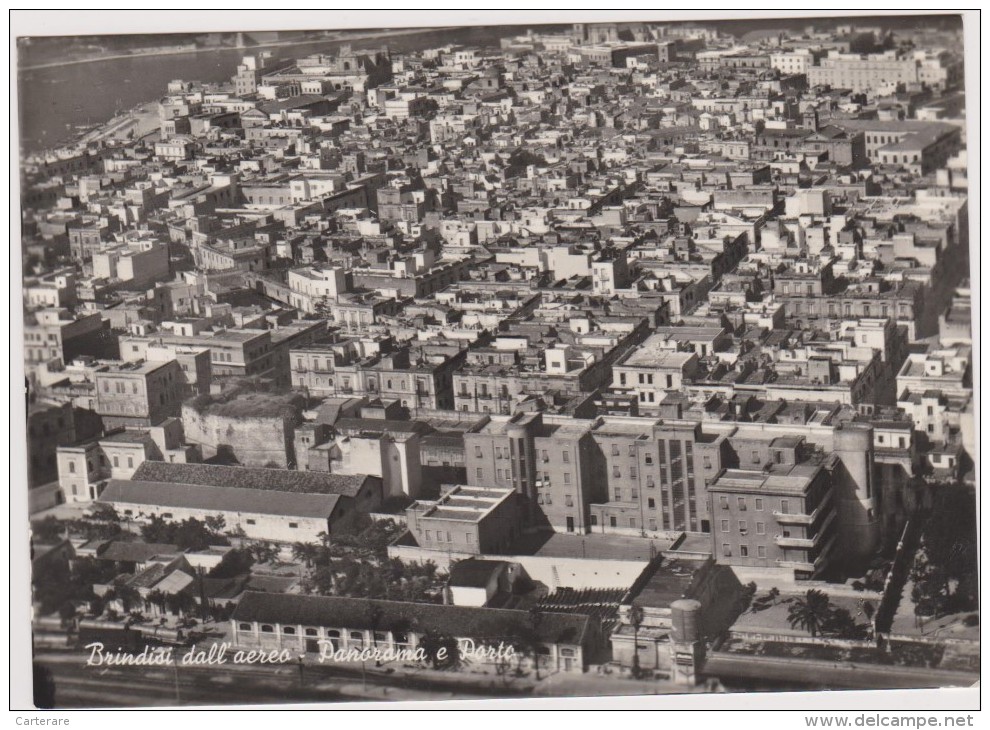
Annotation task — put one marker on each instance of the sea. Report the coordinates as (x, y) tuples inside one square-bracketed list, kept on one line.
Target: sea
[(54, 102)]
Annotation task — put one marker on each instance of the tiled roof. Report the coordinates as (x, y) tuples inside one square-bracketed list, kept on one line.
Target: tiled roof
[(219, 499), (357, 613), (136, 552), (276, 480)]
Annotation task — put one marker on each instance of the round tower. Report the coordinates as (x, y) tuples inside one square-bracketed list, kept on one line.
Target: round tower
[(854, 492)]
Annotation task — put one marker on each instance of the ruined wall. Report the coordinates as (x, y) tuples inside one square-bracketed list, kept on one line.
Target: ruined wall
[(249, 441)]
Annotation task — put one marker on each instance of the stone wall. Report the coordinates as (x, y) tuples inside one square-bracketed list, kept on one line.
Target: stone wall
[(254, 441)]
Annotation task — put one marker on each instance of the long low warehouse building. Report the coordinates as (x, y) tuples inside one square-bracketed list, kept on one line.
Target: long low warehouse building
[(266, 504)]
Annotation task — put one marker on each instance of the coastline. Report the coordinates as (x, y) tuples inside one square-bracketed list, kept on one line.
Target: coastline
[(185, 51)]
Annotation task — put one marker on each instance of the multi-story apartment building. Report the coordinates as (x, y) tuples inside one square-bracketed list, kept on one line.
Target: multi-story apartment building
[(783, 517), (657, 474), (418, 377), (553, 464), (139, 393)]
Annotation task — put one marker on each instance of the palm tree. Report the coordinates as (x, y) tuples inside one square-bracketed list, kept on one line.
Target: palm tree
[(810, 611), (305, 552), (636, 619)]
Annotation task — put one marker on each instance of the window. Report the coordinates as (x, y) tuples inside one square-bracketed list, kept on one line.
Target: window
[(566, 457), (743, 551), (618, 495), (726, 549), (632, 449), (741, 503), (290, 630), (756, 457), (311, 632), (708, 462), (615, 449), (245, 627), (267, 629), (616, 472), (477, 452), (759, 504), (651, 503), (761, 551), (130, 462), (72, 467), (784, 507), (293, 525), (427, 535), (479, 473), (742, 527), (725, 525), (761, 528), (632, 472), (116, 461), (723, 501), (567, 477), (568, 500), (498, 474), (250, 522)]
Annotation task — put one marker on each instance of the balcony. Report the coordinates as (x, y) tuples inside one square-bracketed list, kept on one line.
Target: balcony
[(805, 565), (794, 542), (799, 518), (805, 543)]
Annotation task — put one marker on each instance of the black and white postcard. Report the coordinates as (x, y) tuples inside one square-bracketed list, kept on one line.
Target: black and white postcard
[(520, 360)]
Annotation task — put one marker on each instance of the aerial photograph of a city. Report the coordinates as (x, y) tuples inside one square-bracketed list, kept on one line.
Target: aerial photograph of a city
[(497, 362)]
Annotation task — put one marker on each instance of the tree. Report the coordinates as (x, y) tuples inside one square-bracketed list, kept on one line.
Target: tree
[(127, 595), (180, 603), (811, 611), (443, 651), (236, 562), (375, 616), (945, 567), (216, 524), (774, 594), (306, 552), (48, 530), (535, 620), (190, 534), (157, 599), (636, 619), (264, 552), (67, 612)]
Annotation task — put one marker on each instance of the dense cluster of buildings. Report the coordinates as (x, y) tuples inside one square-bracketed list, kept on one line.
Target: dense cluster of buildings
[(625, 282)]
